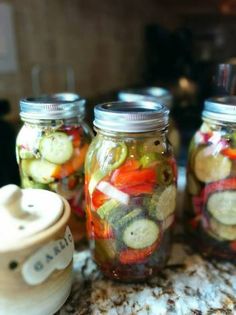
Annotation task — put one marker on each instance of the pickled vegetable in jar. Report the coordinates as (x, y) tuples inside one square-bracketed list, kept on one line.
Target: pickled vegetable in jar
[(130, 175), (211, 181), (51, 148), (157, 94)]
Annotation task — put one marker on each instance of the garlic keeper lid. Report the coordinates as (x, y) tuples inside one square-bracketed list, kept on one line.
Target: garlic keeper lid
[(138, 116), (26, 212), (220, 108)]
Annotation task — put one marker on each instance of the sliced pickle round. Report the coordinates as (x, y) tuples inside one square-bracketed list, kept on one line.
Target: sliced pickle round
[(226, 232), (168, 222), (41, 171), (56, 147), (140, 233), (209, 168), (222, 206), (129, 217), (163, 204), (26, 182)]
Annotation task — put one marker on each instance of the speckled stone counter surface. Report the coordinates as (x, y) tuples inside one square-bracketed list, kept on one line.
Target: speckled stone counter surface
[(188, 285)]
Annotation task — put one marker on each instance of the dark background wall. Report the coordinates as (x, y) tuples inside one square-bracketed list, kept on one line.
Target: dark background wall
[(103, 42)]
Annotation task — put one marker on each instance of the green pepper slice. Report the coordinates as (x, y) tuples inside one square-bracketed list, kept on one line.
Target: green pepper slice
[(100, 174)]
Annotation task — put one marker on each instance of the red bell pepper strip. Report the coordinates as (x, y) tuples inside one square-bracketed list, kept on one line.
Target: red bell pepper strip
[(129, 165), (75, 133), (146, 188), (123, 179), (98, 198), (229, 152), (134, 256)]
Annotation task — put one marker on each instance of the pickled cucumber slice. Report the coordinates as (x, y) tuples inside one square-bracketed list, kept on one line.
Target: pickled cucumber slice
[(27, 183), (129, 217), (226, 232), (40, 171), (140, 233), (168, 222), (162, 204), (111, 211), (56, 147), (210, 168), (193, 185), (222, 206)]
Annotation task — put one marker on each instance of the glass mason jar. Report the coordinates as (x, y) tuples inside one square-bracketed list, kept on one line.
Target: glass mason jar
[(51, 148), (130, 176), (157, 94), (211, 181)]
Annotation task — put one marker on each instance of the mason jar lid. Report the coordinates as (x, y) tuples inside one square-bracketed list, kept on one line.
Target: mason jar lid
[(138, 116), (153, 93), (220, 108), (54, 106)]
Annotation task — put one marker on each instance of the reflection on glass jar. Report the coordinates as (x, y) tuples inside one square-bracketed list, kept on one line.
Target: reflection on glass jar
[(51, 148), (130, 178), (211, 181), (157, 94)]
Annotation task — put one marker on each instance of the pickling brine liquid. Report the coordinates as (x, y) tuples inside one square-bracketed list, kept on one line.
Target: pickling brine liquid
[(52, 158), (211, 190), (130, 197), (51, 148)]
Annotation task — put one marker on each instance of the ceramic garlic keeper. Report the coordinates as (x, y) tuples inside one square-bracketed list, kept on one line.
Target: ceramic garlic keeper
[(36, 250)]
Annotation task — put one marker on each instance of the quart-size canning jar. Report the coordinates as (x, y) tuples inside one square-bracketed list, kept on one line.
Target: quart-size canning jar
[(157, 94), (51, 148), (211, 181), (130, 175)]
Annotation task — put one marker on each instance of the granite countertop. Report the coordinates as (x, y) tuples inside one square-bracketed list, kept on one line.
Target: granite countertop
[(187, 285)]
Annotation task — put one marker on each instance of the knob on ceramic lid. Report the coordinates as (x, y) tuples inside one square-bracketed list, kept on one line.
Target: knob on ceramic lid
[(26, 212)]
